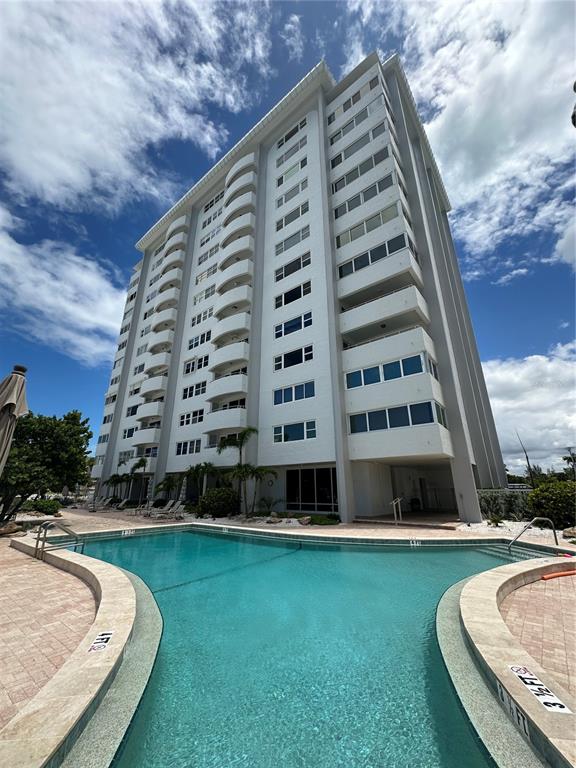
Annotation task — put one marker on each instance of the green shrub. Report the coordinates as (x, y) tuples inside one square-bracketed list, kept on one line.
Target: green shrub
[(504, 504), (324, 520), (219, 502), (556, 501), (45, 506)]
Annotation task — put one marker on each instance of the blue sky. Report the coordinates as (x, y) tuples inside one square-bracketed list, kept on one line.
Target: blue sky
[(112, 110)]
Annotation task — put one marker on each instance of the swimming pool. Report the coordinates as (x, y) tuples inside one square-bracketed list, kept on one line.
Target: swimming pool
[(295, 654)]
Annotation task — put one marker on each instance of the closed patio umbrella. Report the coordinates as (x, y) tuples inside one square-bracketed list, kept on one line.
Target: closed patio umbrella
[(12, 406)]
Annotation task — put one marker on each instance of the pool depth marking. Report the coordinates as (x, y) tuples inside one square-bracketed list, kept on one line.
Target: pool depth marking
[(536, 687)]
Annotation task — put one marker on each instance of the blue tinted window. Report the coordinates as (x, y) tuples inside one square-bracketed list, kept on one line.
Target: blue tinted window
[(288, 395), (307, 319), (292, 325), (309, 389), (299, 392), (358, 423), (421, 413), (392, 370), (361, 261), (277, 397), (353, 379), (377, 420), (412, 365), (371, 375), (398, 417), (293, 432)]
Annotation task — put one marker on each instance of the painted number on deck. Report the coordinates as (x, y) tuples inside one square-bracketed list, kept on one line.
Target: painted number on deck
[(100, 643), (544, 695)]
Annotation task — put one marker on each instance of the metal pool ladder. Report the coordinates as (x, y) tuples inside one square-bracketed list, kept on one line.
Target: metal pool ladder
[(528, 525), (397, 509), (41, 543)]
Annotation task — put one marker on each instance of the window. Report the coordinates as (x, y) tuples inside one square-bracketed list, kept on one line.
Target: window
[(295, 190), (134, 390), (295, 392), (421, 413), (392, 370), (291, 171), (200, 339), (141, 350), (125, 329), (294, 239), (411, 365), (138, 369), (293, 325), (433, 368), (187, 447), (382, 217), (210, 235), (354, 99), (292, 216), (357, 145), (364, 196), (208, 254), (213, 202), (287, 433), (129, 432), (103, 439), (296, 147), (151, 295), (358, 423), (145, 331), (295, 357), (398, 417), (131, 297), (201, 316), (124, 456), (292, 266), (293, 294), (441, 415), (196, 364), (372, 107), (291, 133), (194, 417), (205, 294), (207, 273), (132, 410), (194, 390), (367, 258), (117, 363), (114, 380), (122, 345), (111, 399), (107, 419), (147, 453)]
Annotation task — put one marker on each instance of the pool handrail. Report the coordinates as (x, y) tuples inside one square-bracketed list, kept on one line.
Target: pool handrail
[(529, 525)]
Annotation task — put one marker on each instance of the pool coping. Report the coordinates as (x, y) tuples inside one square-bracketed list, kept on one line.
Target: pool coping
[(496, 650), (499, 736), (44, 731)]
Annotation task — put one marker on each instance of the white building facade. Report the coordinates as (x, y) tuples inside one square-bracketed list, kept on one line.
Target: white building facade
[(308, 286)]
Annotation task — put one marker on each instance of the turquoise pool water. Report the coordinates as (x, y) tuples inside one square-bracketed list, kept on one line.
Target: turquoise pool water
[(287, 655)]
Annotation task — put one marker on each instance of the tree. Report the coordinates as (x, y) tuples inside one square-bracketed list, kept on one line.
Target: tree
[(140, 464), (47, 454), (199, 474), (259, 474), (570, 460), (169, 484), (239, 442), (113, 482)]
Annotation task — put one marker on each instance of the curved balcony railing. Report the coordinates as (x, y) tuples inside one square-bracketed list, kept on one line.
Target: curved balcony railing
[(172, 279), (241, 226), (154, 386), (237, 300), (180, 223), (244, 183), (232, 353), (174, 260), (167, 299), (158, 363), (165, 320), (148, 410), (245, 203), (243, 165), (235, 385), (241, 248), (172, 243), (237, 324), (229, 418), (161, 342), (147, 436), (241, 272)]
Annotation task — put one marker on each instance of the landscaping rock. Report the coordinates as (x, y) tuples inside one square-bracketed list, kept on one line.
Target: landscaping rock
[(304, 520), (569, 533), (10, 528)]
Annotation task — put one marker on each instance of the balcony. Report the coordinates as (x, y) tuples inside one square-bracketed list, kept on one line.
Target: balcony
[(240, 167), (174, 242), (180, 223), (241, 248), (392, 272), (411, 444), (172, 279), (154, 386), (157, 363), (161, 342), (242, 204), (148, 410), (235, 325), (145, 436), (236, 274), (237, 300), (392, 346), (228, 418), (418, 388), (174, 260), (167, 299), (398, 310), (165, 320), (235, 385), (150, 465), (244, 183), (233, 353), (243, 225)]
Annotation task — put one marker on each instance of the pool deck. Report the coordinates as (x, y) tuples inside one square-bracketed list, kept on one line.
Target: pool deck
[(44, 614)]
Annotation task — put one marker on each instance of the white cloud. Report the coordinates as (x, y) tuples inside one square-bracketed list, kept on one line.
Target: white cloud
[(293, 37), (536, 397), (59, 297), (494, 82), (565, 250), (88, 89), (509, 276)]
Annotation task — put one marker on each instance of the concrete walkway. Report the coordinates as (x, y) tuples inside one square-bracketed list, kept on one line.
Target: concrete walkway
[(44, 614)]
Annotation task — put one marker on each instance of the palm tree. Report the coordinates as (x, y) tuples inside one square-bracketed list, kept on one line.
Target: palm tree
[(237, 441), (125, 478), (167, 485), (140, 464), (242, 473), (257, 475), (113, 482), (199, 474)]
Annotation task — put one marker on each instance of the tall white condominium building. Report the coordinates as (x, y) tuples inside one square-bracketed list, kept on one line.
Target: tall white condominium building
[(308, 286)]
